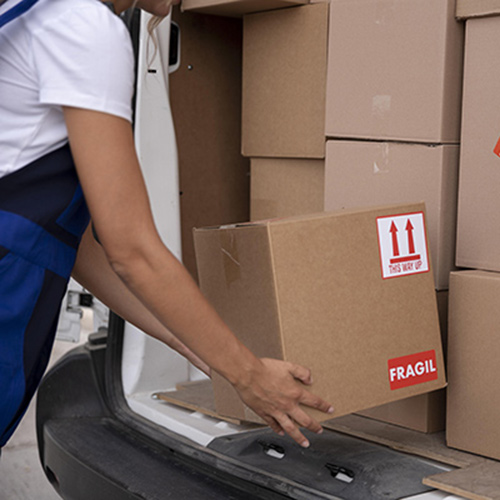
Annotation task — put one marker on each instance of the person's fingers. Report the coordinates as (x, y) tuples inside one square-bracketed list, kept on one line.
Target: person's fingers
[(300, 373), (302, 419), (291, 429), (313, 401), (273, 424)]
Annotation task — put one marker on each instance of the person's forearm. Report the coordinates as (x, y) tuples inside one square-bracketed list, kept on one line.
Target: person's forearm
[(93, 271), (103, 149), (158, 279)]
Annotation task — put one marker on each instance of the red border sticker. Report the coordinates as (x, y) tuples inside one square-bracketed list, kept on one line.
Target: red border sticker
[(412, 369), (402, 241), (496, 150)]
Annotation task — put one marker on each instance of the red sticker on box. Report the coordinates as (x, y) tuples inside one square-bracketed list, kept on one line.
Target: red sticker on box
[(496, 150), (402, 244), (412, 370)]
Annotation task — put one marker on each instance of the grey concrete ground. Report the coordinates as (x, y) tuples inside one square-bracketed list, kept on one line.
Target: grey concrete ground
[(21, 475)]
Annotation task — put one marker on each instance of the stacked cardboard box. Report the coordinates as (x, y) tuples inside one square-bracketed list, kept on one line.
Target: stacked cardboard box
[(283, 108), (390, 80), (281, 187), (473, 368), (474, 344), (478, 238), (364, 173), (393, 126)]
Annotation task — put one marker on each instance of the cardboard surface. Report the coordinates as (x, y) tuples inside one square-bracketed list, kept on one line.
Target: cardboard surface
[(477, 8), (481, 482), (478, 229), (399, 66), (205, 97), (473, 368), (236, 8), (284, 187), (284, 82), (311, 290), (364, 173), (424, 413)]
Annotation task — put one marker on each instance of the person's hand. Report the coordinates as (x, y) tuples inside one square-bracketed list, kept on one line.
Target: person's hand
[(274, 391)]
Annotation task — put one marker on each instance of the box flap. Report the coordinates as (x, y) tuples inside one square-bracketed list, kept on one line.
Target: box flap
[(477, 8), (236, 8), (233, 267)]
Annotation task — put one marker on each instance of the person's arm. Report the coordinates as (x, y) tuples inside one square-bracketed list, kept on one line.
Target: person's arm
[(108, 168), (93, 271)]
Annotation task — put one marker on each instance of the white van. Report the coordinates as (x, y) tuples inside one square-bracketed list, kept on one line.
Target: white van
[(103, 431)]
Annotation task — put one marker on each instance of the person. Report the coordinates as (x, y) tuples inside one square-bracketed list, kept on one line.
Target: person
[(67, 155)]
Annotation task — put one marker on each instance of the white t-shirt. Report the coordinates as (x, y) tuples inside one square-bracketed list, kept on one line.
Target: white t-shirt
[(59, 53)]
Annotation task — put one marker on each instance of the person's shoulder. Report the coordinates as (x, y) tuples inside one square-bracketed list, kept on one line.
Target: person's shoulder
[(90, 17)]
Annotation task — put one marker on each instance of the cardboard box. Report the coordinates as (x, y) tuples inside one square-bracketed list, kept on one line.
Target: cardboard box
[(284, 82), (477, 8), (473, 368), (205, 97), (363, 173), (285, 187), (394, 70), (236, 8), (478, 229), (327, 291), (424, 413)]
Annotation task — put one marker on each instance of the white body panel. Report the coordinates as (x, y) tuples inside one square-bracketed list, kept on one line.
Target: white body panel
[(149, 366)]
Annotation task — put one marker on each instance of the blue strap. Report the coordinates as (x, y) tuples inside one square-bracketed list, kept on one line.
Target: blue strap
[(16, 11), (30, 241)]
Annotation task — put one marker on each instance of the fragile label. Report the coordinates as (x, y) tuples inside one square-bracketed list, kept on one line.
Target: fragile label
[(402, 243), (412, 370)]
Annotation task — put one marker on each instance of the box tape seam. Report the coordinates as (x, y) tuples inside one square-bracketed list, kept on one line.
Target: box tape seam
[(276, 291)]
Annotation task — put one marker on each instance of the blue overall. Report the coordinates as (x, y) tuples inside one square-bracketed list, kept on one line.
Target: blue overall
[(43, 216)]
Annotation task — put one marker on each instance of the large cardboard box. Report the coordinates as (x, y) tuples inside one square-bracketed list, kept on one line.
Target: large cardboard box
[(477, 8), (394, 70), (478, 229), (205, 97), (364, 173), (331, 292), (424, 413), (282, 187), (236, 8), (284, 82), (473, 367)]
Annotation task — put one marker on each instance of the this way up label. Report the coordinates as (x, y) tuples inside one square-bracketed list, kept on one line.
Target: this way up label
[(403, 244)]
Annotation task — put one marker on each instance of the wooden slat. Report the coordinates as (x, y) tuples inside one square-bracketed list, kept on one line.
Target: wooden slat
[(196, 396), (480, 482)]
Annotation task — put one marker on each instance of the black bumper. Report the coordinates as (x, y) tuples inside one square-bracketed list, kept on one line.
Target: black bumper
[(92, 447), (86, 453)]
